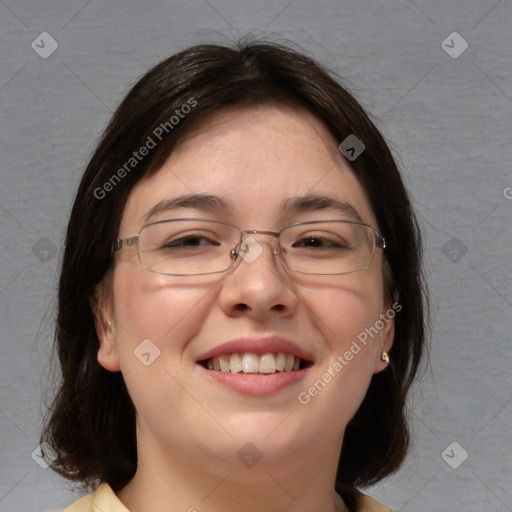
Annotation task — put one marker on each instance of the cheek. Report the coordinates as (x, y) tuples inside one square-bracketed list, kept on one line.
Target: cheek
[(152, 307), (344, 314), (155, 320), (345, 307)]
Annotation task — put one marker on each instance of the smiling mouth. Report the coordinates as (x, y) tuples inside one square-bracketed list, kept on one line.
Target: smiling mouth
[(249, 363)]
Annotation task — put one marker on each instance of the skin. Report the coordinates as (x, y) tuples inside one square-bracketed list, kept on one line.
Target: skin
[(189, 430)]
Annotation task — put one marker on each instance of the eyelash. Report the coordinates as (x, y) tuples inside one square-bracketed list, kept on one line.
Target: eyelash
[(181, 242)]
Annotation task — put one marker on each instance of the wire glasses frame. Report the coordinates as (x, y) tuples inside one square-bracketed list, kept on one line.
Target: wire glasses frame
[(350, 246)]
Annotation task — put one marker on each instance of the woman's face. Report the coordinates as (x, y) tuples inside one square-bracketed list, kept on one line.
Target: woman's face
[(256, 161)]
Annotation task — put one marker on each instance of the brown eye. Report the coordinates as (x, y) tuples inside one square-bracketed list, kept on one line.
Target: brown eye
[(190, 241), (317, 242)]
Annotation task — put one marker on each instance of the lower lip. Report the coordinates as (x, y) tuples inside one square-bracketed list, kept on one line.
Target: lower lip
[(257, 385)]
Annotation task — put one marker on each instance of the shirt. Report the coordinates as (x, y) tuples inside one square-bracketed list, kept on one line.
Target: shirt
[(105, 500)]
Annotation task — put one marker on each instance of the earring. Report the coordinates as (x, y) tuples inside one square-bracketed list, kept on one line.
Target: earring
[(384, 357)]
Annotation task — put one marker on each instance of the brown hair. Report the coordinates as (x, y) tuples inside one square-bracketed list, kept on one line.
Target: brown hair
[(91, 422)]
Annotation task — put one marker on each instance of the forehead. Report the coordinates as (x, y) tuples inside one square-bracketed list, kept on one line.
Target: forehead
[(256, 159)]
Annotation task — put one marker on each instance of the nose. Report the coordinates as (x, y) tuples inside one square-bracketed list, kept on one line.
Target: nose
[(258, 285)]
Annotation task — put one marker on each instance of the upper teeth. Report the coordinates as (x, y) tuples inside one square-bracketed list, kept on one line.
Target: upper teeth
[(252, 363)]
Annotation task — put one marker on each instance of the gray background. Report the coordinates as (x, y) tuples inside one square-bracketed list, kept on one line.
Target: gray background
[(448, 120)]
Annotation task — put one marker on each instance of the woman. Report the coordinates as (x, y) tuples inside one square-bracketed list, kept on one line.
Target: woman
[(241, 308)]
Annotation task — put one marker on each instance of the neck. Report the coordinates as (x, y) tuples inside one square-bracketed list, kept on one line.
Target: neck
[(182, 482)]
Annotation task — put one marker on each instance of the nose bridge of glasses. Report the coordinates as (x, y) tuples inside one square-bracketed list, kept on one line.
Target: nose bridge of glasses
[(249, 249), (259, 231), (248, 232)]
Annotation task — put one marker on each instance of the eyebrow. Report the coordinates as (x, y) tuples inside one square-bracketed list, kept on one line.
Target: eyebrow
[(212, 203), (203, 202), (314, 202)]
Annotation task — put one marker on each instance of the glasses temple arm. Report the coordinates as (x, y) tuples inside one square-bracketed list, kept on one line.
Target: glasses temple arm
[(121, 243)]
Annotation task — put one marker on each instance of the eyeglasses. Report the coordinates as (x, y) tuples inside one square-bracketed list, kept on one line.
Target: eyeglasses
[(192, 247)]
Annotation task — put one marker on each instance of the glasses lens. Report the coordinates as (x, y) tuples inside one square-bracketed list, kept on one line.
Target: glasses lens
[(330, 247), (187, 247)]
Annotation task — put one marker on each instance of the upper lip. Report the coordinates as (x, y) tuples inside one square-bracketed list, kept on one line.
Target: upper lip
[(257, 346)]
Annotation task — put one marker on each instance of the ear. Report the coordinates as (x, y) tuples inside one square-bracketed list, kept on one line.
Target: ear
[(386, 335), (103, 311)]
